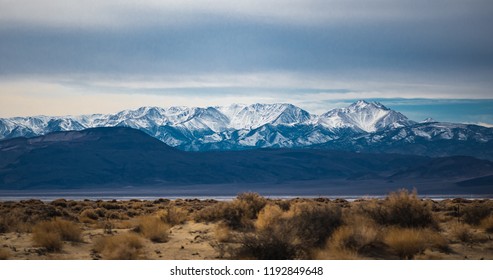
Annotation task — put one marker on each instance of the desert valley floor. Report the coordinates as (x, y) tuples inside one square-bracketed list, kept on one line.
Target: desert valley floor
[(400, 226)]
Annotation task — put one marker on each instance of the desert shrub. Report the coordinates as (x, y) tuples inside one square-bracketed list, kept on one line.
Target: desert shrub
[(406, 242), (268, 216), (283, 204), (313, 223), (25, 214), (222, 233), (436, 240), (274, 238), (69, 231), (402, 209), (59, 202), (289, 234), (4, 254), (115, 215), (269, 245), (209, 213), (88, 216), (233, 214), (173, 215), (10, 222), (353, 236), (49, 240), (153, 229), (487, 224), (7, 222), (44, 235), (100, 212), (111, 205), (461, 232), (50, 234), (475, 212), (252, 203), (127, 246)]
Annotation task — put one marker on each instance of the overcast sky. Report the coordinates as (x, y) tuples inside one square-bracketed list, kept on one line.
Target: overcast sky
[(72, 57)]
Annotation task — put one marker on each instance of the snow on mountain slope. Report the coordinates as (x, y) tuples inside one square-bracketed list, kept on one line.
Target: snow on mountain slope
[(256, 115), (258, 125), (364, 116)]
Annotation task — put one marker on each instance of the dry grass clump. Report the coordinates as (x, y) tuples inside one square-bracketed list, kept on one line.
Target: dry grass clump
[(69, 231), (153, 228), (406, 242), (268, 216), (222, 233), (237, 214), (23, 215), (437, 241), (461, 232), (277, 244), (487, 224), (314, 222), (252, 203), (351, 240), (50, 234), (354, 236), (127, 246), (4, 254), (173, 215), (289, 234), (274, 238), (402, 209), (111, 205), (475, 212), (8, 222), (88, 216)]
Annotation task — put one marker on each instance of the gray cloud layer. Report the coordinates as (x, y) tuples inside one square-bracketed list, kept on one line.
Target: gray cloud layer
[(434, 43)]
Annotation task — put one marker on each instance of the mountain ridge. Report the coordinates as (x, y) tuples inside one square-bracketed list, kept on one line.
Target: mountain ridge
[(362, 126)]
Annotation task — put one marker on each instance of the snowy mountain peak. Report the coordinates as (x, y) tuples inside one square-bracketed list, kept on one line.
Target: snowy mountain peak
[(256, 115), (365, 105), (257, 125), (365, 116), (428, 120)]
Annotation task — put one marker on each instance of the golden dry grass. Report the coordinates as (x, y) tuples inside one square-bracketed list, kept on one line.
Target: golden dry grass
[(237, 214), (487, 224), (403, 209), (289, 234), (48, 239), (88, 216), (354, 236), (50, 234), (406, 242), (222, 233), (474, 213), (268, 216), (348, 241), (153, 228), (461, 233), (127, 246), (173, 215)]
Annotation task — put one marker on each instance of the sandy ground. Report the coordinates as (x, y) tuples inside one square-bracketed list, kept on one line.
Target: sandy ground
[(190, 241)]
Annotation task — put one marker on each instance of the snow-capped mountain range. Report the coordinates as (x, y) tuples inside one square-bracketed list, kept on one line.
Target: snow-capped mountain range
[(362, 124)]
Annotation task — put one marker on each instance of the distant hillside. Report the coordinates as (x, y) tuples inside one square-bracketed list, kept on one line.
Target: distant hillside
[(127, 157)]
